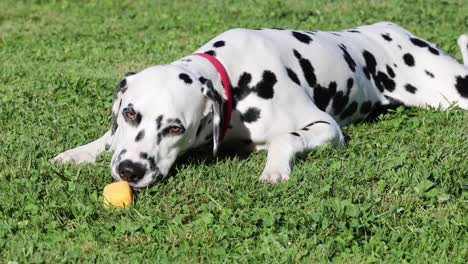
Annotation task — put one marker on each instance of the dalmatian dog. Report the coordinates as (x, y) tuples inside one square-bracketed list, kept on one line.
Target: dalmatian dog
[(284, 91)]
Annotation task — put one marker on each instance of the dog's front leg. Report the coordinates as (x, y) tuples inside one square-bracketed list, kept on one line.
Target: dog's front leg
[(282, 149), (85, 153)]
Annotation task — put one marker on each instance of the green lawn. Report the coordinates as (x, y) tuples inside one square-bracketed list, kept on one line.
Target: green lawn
[(397, 193)]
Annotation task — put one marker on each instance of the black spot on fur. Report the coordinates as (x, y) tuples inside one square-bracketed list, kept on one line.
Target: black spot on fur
[(422, 44), (121, 88), (462, 85), (244, 80), (114, 123), (322, 95), (295, 134), (242, 90), (302, 37), (159, 121), (293, 76), (350, 110), (186, 78), (340, 99), (140, 135), (210, 52), (264, 88), (366, 72), (409, 59), (390, 72), (387, 37), (307, 69), (202, 79), (384, 82), (430, 74), (138, 118), (349, 85), (129, 73), (152, 164), (251, 115), (410, 88), (336, 34), (366, 107), (219, 43), (354, 31), (347, 57), (339, 102), (159, 138), (419, 42), (371, 63), (143, 155), (332, 88), (433, 50), (316, 122), (123, 83)]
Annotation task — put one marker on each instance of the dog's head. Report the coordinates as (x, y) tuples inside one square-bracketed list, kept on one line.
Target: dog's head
[(158, 114)]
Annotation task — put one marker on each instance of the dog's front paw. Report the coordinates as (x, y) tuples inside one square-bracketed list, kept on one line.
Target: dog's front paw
[(74, 156), (274, 175)]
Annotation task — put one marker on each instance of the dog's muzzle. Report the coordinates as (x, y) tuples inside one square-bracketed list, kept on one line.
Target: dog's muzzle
[(131, 171)]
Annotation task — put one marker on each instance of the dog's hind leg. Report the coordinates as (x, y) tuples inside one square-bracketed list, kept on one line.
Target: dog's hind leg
[(85, 153), (463, 44), (429, 76), (281, 150)]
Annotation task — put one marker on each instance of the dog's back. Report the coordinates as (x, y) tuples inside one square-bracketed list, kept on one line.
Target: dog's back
[(346, 73)]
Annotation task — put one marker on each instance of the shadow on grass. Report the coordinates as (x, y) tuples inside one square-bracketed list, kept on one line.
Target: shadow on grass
[(373, 116), (204, 155)]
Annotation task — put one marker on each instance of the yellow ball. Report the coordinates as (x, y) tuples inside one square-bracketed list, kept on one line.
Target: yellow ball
[(118, 195)]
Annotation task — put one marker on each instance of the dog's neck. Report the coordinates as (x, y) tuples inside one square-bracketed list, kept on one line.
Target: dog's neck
[(204, 68)]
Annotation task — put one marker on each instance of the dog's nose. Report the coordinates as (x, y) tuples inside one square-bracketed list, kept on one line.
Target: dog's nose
[(131, 171)]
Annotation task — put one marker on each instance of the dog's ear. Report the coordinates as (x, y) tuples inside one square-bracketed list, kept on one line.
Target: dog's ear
[(215, 106), (119, 92)]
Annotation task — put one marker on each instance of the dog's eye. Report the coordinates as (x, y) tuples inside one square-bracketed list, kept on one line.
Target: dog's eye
[(130, 115), (174, 130)]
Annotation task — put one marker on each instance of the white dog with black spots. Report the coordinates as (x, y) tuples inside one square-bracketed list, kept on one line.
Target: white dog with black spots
[(292, 90)]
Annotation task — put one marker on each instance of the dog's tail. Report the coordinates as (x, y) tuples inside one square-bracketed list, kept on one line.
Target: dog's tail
[(463, 44)]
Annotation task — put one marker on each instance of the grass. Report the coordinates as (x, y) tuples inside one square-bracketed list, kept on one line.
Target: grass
[(397, 193)]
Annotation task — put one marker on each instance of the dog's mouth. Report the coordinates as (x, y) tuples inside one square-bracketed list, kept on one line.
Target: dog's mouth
[(147, 181), (152, 175)]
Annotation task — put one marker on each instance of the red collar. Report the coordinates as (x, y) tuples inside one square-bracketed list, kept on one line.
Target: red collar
[(227, 89)]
